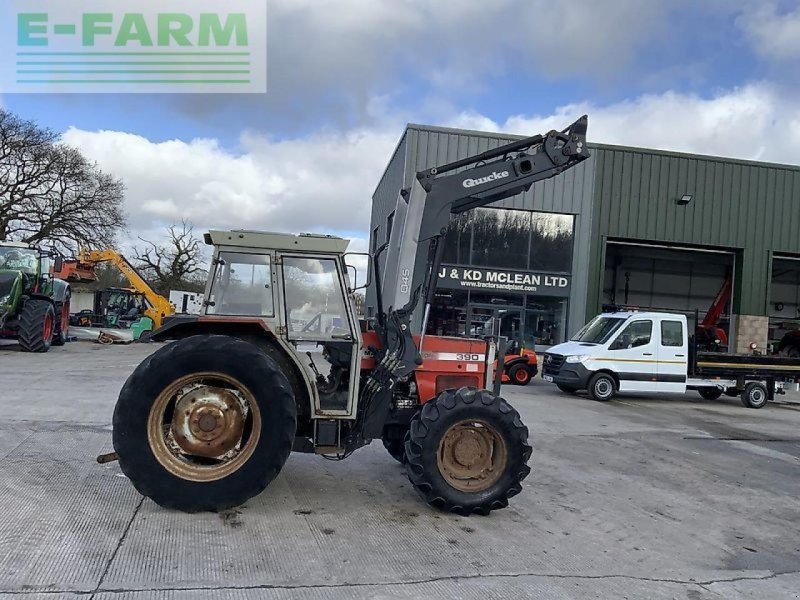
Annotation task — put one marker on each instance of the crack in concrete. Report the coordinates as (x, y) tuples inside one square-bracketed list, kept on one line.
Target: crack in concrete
[(116, 550), (345, 585)]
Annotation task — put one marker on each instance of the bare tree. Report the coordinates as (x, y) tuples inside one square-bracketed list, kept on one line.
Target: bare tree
[(176, 264), (50, 193)]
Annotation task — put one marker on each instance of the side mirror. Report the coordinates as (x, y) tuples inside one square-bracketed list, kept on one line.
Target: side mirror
[(369, 270), (58, 264)]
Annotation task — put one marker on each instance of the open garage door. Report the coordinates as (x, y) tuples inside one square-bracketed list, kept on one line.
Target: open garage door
[(663, 278), (784, 304)]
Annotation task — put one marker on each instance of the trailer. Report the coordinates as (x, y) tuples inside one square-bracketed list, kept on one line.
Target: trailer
[(631, 351)]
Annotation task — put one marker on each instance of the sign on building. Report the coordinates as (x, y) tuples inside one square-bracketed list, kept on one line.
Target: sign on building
[(505, 280)]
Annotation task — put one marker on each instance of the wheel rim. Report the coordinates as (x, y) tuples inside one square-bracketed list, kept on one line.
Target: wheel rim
[(47, 329), (521, 375), (757, 396), (471, 456), (603, 388), (204, 426)]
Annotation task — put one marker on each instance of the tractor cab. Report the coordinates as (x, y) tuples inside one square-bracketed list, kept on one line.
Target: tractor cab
[(297, 288)]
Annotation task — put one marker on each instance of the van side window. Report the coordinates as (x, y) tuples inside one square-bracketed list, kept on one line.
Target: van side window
[(672, 333), (637, 333)]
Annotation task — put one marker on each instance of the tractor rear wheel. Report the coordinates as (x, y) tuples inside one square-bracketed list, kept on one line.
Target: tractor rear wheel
[(36, 326), (467, 452), (519, 374), (62, 324), (204, 424)]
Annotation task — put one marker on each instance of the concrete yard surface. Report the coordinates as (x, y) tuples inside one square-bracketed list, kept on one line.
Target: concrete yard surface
[(642, 497)]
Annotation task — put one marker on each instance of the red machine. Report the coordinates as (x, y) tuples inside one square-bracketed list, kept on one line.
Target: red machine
[(279, 362), (709, 335)]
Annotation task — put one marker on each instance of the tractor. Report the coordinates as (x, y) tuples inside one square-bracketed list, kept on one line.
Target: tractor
[(34, 307), (278, 361)]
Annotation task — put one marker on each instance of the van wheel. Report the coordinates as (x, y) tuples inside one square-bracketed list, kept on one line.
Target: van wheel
[(754, 395), (602, 387), (710, 393)]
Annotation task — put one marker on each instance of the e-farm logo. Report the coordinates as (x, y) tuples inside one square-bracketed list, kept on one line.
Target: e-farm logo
[(179, 46)]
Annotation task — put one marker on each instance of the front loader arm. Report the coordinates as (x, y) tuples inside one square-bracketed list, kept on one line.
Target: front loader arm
[(422, 216)]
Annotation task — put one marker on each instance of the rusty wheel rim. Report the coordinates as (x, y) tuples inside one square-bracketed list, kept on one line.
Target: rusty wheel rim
[(204, 427), (471, 456)]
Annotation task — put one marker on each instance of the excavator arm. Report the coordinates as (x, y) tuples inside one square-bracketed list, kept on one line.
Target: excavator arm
[(158, 306), (416, 244)]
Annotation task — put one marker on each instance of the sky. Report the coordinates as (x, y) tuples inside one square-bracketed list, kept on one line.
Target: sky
[(345, 76)]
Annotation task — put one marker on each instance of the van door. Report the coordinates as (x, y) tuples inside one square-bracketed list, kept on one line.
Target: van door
[(633, 357), (672, 356)]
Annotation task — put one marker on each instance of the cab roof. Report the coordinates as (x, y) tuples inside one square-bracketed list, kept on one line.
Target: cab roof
[(267, 240)]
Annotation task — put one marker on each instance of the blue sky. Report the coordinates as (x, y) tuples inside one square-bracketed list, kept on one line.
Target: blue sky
[(344, 77)]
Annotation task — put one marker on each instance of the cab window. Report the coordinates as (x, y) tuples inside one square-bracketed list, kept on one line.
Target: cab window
[(242, 285), (637, 333), (315, 304), (672, 333)]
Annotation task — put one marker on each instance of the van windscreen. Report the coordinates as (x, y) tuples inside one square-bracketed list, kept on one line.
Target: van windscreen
[(598, 330)]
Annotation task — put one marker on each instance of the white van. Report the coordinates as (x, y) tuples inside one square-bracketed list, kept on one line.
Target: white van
[(632, 351)]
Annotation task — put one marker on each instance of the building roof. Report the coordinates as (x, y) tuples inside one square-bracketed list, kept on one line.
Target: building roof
[(600, 146)]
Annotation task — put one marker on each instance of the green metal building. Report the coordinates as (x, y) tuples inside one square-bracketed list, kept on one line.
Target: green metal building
[(649, 228)]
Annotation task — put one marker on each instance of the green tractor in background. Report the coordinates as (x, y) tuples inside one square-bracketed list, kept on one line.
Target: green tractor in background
[(34, 306)]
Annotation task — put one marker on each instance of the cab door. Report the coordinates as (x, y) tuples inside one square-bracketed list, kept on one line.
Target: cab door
[(633, 354), (672, 355), (321, 325)]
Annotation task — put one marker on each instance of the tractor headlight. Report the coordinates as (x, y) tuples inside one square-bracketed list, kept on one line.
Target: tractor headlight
[(577, 358)]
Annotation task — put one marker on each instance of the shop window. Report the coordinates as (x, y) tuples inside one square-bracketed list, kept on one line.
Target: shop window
[(545, 320), (500, 238), (551, 242), (457, 241)]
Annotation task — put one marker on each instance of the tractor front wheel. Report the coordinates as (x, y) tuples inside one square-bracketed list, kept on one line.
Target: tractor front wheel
[(204, 424), (36, 326), (467, 452)]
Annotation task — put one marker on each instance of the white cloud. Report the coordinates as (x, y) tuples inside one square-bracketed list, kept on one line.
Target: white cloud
[(772, 35), (753, 122), (323, 182)]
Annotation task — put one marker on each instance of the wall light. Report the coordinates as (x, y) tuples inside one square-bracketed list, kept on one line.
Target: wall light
[(684, 200)]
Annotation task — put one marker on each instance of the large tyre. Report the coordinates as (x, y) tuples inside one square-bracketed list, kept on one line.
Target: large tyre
[(567, 389), (710, 393), (36, 326), (62, 323), (467, 452), (602, 387), (754, 395), (519, 374), (204, 424)]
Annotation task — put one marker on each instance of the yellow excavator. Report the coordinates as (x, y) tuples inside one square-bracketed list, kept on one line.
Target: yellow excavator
[(83, 269)]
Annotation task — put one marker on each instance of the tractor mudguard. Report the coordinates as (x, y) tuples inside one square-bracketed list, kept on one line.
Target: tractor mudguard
[(60, 291), (249, 329)]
